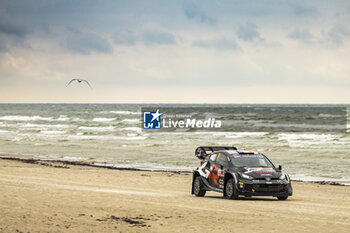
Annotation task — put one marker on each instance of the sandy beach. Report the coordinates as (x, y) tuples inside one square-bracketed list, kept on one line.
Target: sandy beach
[(56, 197)]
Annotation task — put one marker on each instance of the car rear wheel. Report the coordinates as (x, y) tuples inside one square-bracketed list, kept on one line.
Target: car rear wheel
[(230, 191), (198, 187), (282, 198)]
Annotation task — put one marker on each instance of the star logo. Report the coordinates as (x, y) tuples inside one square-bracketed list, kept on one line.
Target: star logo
[(152, 120), (156, 115)]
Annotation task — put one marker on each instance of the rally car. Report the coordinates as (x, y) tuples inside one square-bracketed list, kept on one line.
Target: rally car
[(236, 172)]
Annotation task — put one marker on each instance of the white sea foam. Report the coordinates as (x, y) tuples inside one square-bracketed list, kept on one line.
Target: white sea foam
[(63, 118), (69, 158), (318, 179), (16, 139), (97, 129), (307, 139), (131, 134), (328, 115), (103, 119), (244, 134), (125, 112), (137, 129), (261, 123), (25, 118), (52, 132), (105, 137), (245, 114), (43, 126), (305, 136), (76, 119), (131, 120)]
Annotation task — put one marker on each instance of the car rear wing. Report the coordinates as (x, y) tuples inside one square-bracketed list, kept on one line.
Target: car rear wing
[(203, 151)]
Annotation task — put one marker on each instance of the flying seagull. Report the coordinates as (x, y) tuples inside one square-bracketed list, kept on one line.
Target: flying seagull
[(79, 81)]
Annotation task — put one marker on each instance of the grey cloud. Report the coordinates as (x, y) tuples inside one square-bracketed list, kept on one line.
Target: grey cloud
[(300, 34), (219, 44), (155, 37), (193, 12), (248, 32), (11, 29), (125, 37), (12, 35), (3, 45), (148, 37), (86, 43), (301, 10), (338, 33)]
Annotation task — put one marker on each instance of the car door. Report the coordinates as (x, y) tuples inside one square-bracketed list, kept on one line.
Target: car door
[(215, 172), (222, 163)]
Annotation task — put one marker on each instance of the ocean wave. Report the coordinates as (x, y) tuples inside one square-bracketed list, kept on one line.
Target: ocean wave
[(43, 126), (77, 119), (125, 112), (105, 137), (17, 139), (329, 115), (52, 132), (137, 129), (70, 158), (245, 134), (131, 120), (97, 129), (63, 118), (282, 127), (305, 136), (131, 134), (308, 139), (103, 119), (25, 118), (43, 144)]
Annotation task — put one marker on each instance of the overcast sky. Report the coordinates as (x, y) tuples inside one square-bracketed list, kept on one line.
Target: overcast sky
[(175, 51)]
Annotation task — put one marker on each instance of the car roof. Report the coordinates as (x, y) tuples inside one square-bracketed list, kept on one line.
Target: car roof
[(237, 152)]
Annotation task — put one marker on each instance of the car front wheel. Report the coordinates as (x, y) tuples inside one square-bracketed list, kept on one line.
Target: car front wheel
[(198, 187), (282, 198), (230, 191)]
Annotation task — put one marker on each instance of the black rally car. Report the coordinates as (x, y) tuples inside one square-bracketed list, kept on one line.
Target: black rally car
[(235, 172)]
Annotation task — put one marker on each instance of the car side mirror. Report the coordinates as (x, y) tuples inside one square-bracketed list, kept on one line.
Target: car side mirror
[(221, 167), (280, 167)]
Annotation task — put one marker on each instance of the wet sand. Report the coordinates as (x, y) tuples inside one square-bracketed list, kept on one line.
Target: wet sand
[(57, 197)]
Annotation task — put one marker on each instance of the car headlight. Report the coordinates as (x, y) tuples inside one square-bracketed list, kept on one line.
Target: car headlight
[(283, 177), (246, 176)]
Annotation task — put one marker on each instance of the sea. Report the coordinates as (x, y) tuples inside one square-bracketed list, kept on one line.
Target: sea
[(112, 135)]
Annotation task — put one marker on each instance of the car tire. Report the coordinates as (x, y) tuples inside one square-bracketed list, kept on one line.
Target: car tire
[(230, 190), (282, 198), (198, 187)]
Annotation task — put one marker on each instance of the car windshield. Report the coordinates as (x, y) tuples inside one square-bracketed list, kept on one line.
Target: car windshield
[(248, 160)]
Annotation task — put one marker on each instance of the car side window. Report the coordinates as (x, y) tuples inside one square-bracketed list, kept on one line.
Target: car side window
[(222, 159), (213, 157)]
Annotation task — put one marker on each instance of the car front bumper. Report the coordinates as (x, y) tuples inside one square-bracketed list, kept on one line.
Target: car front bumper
[(264, 188)]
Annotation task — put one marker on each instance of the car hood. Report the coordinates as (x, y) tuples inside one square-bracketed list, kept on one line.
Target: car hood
[(260, 172)]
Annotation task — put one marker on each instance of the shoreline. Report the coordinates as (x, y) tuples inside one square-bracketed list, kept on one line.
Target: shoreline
[(36, 160)]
